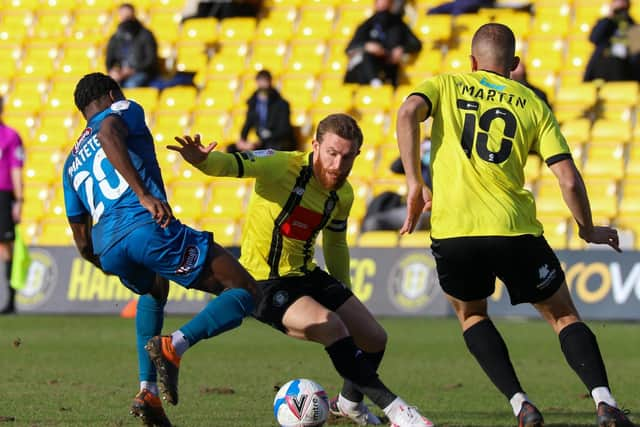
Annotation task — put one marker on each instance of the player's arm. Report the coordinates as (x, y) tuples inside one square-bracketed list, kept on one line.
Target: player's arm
[(575, 196), (81, 229), (336, 250), (414, 110), (112, 135)]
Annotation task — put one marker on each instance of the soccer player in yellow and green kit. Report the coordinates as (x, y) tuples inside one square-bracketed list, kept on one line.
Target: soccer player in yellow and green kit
[(296, 196), (483, 220)]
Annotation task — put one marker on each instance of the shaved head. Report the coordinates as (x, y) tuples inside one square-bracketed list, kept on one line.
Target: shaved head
[(493, 48)]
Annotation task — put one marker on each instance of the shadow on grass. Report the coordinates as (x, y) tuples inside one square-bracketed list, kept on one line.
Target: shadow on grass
[(549, 414)]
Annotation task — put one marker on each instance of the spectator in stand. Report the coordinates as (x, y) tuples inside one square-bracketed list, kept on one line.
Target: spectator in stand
[(379, 46), (520, 75), (221, 9), (11, 199), (132, 52), (269, 115), (612, 60)]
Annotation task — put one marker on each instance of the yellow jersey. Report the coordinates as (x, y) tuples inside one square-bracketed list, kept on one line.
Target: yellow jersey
[(287, 210), (484, 127)]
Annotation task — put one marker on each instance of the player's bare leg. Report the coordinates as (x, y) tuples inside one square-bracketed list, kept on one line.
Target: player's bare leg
[(308, 320), (237, 295), (581, 350), (371, 338), (487, 346)]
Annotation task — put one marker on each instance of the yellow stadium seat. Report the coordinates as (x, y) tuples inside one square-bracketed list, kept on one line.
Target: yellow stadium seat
[(215, 101), (418, 239), (177, 99), (603, 197), (90, 20), (36, 198), (545, 79), (552, 24), (605, 161), (630, 203), (305, 64), (211, 128), (42, 166), (298, 89), (349, 18), (287, 3), (178, 121), (13, 33), (55, 233), (192, 58), (433, 27), (237, 30), (549, 200), (24, 5), (52, 26), (66, 120), (339, 100), (363, 168), (581, 96), (145, 96), (378, 239), (274, 31), (360, 199), (555, 230), (26, 102), (187, 199), (396, 184), (545, 60), (23, 123), (633, 163), (456, 61), (611, 131), (203, 30), (225, 231), (577, 131), (427, 63), (268, 55), (52, 138), (466, 24), (227, 201), (164, 26), (369, 98), (619, 93), (227, 64)]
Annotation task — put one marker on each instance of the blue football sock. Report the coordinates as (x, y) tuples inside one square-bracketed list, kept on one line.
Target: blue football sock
[(149, 319), (223, 313)]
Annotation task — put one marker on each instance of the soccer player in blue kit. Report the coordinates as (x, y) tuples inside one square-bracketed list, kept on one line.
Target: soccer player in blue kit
[(121, 222)]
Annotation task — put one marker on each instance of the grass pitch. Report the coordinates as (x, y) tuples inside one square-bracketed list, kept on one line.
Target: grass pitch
[(82, 371)]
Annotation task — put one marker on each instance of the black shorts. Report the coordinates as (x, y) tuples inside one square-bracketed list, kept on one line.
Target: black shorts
[(7, 226), (280, 293), (468, 267)]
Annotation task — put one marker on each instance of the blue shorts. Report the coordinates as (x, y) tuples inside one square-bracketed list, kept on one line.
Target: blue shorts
[(177, 253)]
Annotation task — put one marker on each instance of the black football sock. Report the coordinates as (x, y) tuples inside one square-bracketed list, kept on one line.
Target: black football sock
[(5, 271), (488, 347), (350, 362), (349, 389), (581, 350)]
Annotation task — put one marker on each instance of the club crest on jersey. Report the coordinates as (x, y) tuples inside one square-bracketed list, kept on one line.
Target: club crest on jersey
[(85, 134), (189, 260)]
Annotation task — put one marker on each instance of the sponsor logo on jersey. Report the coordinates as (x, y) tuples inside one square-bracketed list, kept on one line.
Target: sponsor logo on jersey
[(41, 280), (189, 260), (301, 224), (80, 140), (413, 282)]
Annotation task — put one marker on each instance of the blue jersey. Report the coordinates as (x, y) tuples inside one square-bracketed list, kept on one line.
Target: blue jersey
[(93, 186)]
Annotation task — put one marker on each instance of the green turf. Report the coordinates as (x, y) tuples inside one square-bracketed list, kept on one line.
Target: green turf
[(81, 371)]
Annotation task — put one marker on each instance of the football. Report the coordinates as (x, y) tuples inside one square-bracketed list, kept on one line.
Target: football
[(301, 403)]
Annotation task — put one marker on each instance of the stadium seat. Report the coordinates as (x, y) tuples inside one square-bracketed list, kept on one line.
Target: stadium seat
[(227, 200), (633, 162), (36, 196), (305, 64), (577, 131), (22, 123), (145, 96), (43, 166), (616, 131), (52, 139), (605, 161), (435, 28), (578, 98), (378, 239), (364, 166), (203, 30), (371, 99), (211, 127), (51, 26), (338, 100), (349, 18), (237, 30), (419, 239), (426, 64), (177, 99), (191, 57), (456, 61), (90, 21), (187, 199), (165, 25), (225, 231), (24, 102), (214, 100), (274, 31), (465, 25), (603, 197), (299, 90), (268, 55), (630, 203), (55, 232), (555, 230), (619, 93), (553, 24), (549, 201)]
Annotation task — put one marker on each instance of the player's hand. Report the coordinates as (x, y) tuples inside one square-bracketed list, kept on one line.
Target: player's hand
[(160, 210), (601, 235), (191, 149), (418, 201), (16, 211), (375, 49)]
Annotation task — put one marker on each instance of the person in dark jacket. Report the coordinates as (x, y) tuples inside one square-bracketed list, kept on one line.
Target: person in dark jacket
[(269, 115), (379, 46), (458, 7), (132, 52), (611, 59)]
